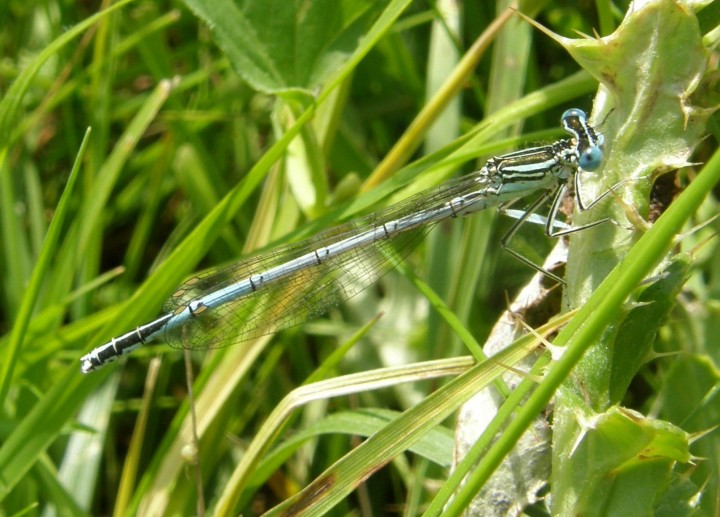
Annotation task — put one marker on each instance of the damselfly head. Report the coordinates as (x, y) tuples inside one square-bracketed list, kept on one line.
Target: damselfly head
[(587, 141)]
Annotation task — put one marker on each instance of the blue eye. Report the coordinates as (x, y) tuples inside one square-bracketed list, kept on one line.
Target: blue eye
[(590, 158), (574, 112)]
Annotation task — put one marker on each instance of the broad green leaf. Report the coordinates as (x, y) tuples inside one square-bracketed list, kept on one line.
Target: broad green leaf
[(280, 46), (620, 464)]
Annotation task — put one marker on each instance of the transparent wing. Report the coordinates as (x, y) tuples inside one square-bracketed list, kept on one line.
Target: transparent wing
[(308, 293)]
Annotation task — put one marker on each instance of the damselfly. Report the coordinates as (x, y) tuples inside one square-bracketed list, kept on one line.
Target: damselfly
[(288, 285)]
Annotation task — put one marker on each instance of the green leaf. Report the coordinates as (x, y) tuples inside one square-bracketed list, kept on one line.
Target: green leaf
[(280, 46), (633, 345), (621, 462)]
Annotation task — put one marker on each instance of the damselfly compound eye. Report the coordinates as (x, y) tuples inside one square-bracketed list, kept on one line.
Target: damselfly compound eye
[(590, 158), (573, 113)]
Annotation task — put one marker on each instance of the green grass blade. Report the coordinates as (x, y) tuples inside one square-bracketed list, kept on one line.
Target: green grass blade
[(47, 253)]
